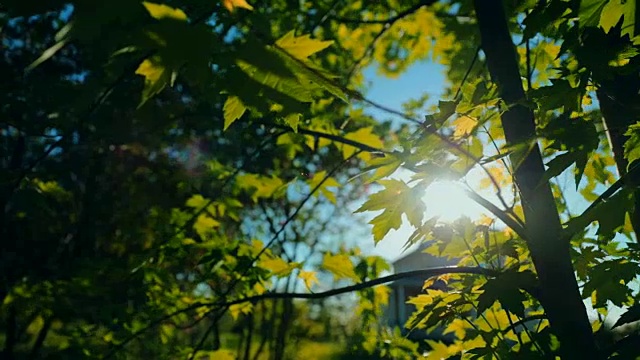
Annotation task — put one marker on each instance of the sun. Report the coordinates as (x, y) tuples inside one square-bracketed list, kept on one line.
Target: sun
[(447, 199)]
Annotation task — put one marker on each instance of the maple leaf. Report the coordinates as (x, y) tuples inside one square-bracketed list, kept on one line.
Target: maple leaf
[(363, 136), (464, 125), (156, 77), (396, 199), (277, 266), (322, 189), (301, 47), (340, 266), (309, 278)]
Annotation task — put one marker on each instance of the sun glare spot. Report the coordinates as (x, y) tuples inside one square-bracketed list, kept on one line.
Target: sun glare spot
[(448, 200)]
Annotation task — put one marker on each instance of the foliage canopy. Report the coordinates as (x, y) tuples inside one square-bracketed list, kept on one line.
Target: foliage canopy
[(176, 171)]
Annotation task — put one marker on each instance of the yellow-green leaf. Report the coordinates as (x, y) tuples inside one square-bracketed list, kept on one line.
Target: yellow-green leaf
[(293, 120), (277, 266), (242, 308), (363, 136), (340, 266), (464, 125), (204, 224), (156, 77), (323, 189), (301, 47), (309, 278), (162, 11), (197, 201), (440, 350), (396, 199), (233, 4), (263, 186), (233, 110)]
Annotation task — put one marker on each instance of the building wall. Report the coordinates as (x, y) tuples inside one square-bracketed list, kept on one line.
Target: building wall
[(399, 311)]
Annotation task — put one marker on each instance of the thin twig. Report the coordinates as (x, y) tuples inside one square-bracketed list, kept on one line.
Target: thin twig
[(467, 73), (386, 25), (388, 21)]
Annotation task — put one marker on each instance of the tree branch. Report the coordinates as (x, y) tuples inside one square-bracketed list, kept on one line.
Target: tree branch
[(387, 24), (424, 273), (336, 138), (499, 213), (389, 21)]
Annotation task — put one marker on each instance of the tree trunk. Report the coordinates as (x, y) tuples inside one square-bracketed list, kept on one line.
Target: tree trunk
[(247, 345), (283, 328), (560, 295)]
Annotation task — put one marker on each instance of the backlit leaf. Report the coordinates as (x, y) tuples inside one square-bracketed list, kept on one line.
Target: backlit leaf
[(309, 278), (233, 110), (277, 266), (340, 266), (262, 186), (395, 200), (237, 309), (162, 11), (464, 125), (301, 47), (616, 9), (632, 145), (156, 77), (316, 181), (364, 136), (232, 4)]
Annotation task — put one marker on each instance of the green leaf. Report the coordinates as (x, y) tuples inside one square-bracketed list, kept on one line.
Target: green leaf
[(204, 224), (365, 136), (396, 199), (613, 11), (610, 215), (632, 145), (277, 266), (295, 50), (384, 166), (233, 110), (506, 289), (293, 120), (608, 281), (323, 189), (260, 186), (590, 11), (473, 150), (197, 202), (560, 94)]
